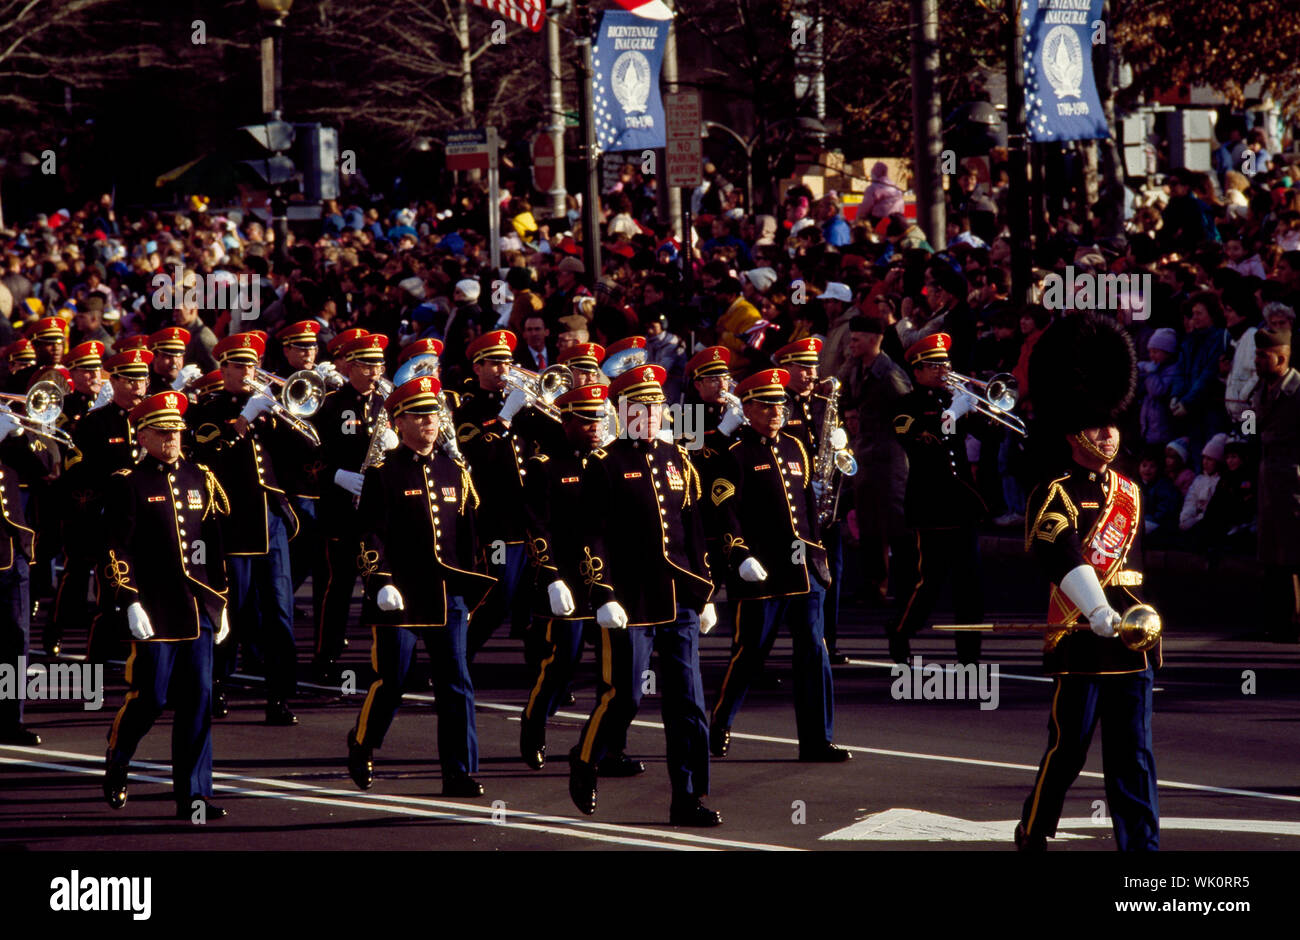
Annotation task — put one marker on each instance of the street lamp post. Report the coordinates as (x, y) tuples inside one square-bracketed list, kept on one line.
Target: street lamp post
[(273, 109)]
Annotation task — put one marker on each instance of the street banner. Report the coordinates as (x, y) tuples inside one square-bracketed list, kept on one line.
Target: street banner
[(627, 53), (1061, 100)]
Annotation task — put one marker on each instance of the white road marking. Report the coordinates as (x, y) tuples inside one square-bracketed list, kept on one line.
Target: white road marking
[(914, 825), (271, 788)]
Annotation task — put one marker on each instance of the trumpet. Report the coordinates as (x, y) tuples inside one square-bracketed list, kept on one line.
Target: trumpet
[(994, 399), (540, 391), (42, 405), (302, 394), (1139, 629)]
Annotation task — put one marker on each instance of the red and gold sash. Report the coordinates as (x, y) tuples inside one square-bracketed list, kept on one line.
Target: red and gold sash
[(1106, 546)]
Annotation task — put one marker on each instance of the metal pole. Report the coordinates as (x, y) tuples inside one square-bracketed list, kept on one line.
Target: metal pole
[(673, 194), (555, 126), (591, 191), (1018, 195), (927, 126), (494, 202), (279, 205)]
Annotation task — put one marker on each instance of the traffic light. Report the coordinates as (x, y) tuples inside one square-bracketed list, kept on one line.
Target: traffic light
[(264, 146)]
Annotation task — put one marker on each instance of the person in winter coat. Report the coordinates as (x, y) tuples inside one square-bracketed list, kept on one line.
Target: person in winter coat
[(1157, 375)]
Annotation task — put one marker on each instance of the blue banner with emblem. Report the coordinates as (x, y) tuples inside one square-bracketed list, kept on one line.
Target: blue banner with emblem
[(627, 53), (1061, 100)]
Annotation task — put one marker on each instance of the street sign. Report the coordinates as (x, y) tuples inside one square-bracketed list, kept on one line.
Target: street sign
[(684, 154), (543, 163), (467, 150)]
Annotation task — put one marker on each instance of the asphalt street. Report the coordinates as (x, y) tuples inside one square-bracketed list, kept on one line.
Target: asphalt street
[(926, 774)]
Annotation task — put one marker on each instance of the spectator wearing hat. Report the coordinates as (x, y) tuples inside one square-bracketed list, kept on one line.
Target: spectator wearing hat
[(569, 275), (1176, 468), (738, 315), (175, 600), (1277, 403), (235, 433), (88, 323), (873, 385), (1157, 376), (837, 304), (664, 348), (1202, 490), (1161, 500)]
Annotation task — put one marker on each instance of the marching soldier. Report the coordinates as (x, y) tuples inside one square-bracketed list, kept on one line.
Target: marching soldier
[(417, 557), (49, 339), (105, 443), (18, 356), (772, 563), (84, 363), (940, 504), (646, 598), (168, 348), (709, 372), (175, 602), (347, 423), (496, 455), (234, 432), (1084, 528)]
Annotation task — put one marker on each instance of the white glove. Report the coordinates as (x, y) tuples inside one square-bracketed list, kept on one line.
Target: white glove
[(708, 618), (349, 481), (389, 440), (187, 375), (137, 621), (839, 439), (223, 630), (963, 403), (751, 570), (561, 599), (1083, 589), (514, 403), (1177, 408), (327, 371), (257, 404), (731, 420), (612, 616), (9, 425), (390, 598)]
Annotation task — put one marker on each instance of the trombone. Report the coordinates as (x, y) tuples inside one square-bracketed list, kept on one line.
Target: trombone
[(994, 399), (540, 391), (42, 405), (302, 394)]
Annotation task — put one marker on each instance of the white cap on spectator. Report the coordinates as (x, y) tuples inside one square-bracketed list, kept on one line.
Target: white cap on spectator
[(761, 278), (836, 291), (467, 291), (413, 286)]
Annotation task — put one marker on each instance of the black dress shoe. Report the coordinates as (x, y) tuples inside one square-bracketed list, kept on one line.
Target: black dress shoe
[(570, 699), (691, 812), (719, 740), (461, 785), (825, 754), (582, 784), (210, 810), (18, 734), (115, 774), (220, 708), (838, 659), (900, 648), (278, 714), (361, 768), (619, 765), (1027, 843), (532, 746)]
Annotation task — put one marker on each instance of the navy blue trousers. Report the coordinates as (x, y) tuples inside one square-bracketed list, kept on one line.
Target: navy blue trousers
[(829, 609), (15, 630), (391, 654), (557, 648), (756, 624), (176, 674), (1122, 706), (505, 602), (307, 553), (624, 674), (261, 612)]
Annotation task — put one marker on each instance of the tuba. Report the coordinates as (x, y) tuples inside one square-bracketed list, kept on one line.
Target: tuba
[(301, 395), (429, 365), (832, 454)]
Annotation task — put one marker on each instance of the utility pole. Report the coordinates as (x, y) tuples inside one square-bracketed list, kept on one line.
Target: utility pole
[(590, 169), (927, 125), (1018, 195), (555, 108), (672, 194)]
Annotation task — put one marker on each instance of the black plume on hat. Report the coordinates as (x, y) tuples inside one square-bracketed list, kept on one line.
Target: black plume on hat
[(1082, 374)]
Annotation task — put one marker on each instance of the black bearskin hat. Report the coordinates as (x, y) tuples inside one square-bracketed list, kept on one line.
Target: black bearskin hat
[(1082, 374)]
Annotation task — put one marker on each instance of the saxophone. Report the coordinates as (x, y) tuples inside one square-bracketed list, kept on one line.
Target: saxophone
[(447, 432), (832, 454), (375, 452)]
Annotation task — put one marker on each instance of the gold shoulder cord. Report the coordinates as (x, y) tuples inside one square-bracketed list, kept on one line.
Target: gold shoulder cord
[(467, 491), (218, 501)]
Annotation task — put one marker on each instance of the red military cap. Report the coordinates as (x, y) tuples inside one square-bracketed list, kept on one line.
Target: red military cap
[(802, 352), (172, 339), (367, 348), (332, 347), (497, 346), (715, 360), (628, 342), (302, 333), (266, 337), (419, 396), (587, 402), (766, 386), (209, 383), (641, 383), (134, 341), (49, 330), (420, 347), (247, 348), (133, 364), (585, 357), (932, 348), (20, 351), (57, 374), (87, 355), (162, 412)]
